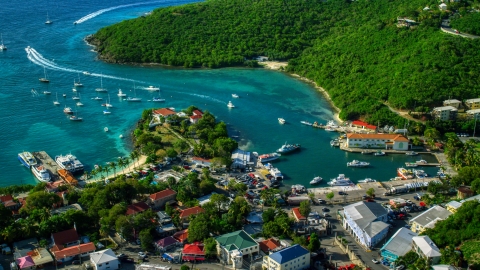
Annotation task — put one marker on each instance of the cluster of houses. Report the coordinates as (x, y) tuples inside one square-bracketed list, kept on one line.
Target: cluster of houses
[(451, 107)]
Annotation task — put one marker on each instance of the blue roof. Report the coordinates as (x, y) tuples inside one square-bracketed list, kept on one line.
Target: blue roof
[(288, 254)]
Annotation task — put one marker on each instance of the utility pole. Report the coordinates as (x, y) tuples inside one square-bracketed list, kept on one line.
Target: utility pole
[(475, 125)]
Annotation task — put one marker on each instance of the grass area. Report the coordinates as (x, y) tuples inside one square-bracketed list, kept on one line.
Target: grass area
[(471, 251)]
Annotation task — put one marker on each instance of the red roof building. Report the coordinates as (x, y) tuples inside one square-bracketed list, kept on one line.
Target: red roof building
[(193, 252), (181, 236), (164, 112), (136, 208), (6, 198), (83, 249), (297, 215), (198, 112), (194, 118), (383, 141), (185, 214), (65, 239), (201, 161), (159, 199), (269, 245), (358, 123)]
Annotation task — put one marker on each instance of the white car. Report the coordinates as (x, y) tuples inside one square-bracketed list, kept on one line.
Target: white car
[(375, 261), (142, 255)]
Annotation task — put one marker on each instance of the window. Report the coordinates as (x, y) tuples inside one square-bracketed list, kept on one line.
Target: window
[(106, 263), (99, 265)]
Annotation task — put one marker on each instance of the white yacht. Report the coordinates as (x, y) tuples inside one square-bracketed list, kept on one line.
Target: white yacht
[(306, 123), (97, 98), (341, 180), (69, 162), (101, 89), (27, 159), (79, 103), (281, 120), (235, 96), (152, 88), (121, 94), (367, 180), (356, 163), (230, 105), (316, 180), (107, 112), (41, 173)]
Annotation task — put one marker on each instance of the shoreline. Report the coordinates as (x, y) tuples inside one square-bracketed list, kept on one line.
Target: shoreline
[(131, 167)]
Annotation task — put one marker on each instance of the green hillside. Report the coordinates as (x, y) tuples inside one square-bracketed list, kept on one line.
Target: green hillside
[(353, 49)]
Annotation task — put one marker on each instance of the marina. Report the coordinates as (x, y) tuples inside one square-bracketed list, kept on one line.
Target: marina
[(48, 164)]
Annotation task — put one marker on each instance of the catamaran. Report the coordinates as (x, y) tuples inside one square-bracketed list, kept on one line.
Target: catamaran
[(77, 84)]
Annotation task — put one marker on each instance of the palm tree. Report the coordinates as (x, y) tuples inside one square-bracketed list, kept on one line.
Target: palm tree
[(100, 170), (133, 155), (113, 166), (121, 163), (106, 169), (93, 173)]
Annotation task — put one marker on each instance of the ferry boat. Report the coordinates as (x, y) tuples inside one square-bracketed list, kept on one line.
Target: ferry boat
[(316, 180), (306, 123), (230, 105), (332, 124), (287, 148), (41, 173), (335, 143), (268, 157), (341, 180), (69, 163), (367, 180), (411, 164), (404, 173), (356, 163), (379, 153), (276, 173), (411, 153), (281, 120), (234, 95), (420, 174), (27, 159)]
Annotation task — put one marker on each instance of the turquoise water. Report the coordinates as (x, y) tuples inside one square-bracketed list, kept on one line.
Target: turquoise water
[(32, 123)]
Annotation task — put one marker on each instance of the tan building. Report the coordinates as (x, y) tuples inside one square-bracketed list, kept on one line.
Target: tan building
[(428, 218), (473, 113), (159, 199), (290, 258), (445, 113), (452, 102), (473, 103), (385, 141), (426, 249)]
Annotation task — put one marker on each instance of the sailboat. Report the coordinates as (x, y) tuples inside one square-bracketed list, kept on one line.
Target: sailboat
[(79, 103), (48, 20), (106, 111), (75, 117), (159, 98), (56, 101), (121, 94), (44, 79), (108, 104), (76, 97), (134, 99), (2, 47), (77, 84), (101, 89)]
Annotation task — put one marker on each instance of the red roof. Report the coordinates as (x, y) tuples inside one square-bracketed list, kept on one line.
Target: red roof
[(197, 112), (394, 137), (74, 250), (162, 194), (193, 249), (181, 236), (296, 213), (363, 124), (61, 238), (269, 244), (136, 208), (190, 211), (201, 159), (6, 198), (195, 117), (164, 112)]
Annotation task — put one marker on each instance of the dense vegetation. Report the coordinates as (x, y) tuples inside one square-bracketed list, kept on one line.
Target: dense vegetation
[(468, 22), (353, 49)]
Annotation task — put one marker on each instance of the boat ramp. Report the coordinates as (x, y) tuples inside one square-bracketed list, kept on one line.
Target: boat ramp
[(50, 165)]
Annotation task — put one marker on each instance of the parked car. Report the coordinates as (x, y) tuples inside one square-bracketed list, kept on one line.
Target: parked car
[(342, 193), (375, 261), (321, 201), (142, 255), (121, 255), (76, 262), (325, 209), (256, 257), (260, 185)]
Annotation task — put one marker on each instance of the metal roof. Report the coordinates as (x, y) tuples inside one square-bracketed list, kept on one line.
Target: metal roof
[(236, 240), (427, 246), (400, 243), (103, 256), (374, 228), (434, 214), (288, 254), (364, 213)]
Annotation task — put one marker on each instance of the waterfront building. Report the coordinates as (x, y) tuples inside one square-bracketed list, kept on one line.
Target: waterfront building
[(196, 115), (428, 218), (445, 113), (366, 221), (201, 161), (294, 257), (159, 199), (233, 247), (473, 103), (240, 159), (398, 245), (104, 259), (452, 102), (426, 248), (363, 125), (384, 141)]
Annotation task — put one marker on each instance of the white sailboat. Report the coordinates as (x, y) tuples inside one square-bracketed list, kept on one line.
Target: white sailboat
[(121, 94), (134, 99), (48, 20), (44, 79), (75, 97), (56, 101), (152, 88), (77, 84), (75, 117), (159, 98), (2, 47), (79, 103), (108, 104), (101, 89)]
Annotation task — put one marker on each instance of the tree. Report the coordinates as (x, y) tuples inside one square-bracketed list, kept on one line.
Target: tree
[(180, 144), (220, 201), (113, 166), (210, 247), (184, 267), (314, 243), (371, 192), (41, 199), (171, 153), (432, 133), (146, 239), (330, 195), (305, 208), (268, 215), (198, 228)]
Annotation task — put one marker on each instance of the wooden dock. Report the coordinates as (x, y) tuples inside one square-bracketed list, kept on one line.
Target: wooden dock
[(50, 165)]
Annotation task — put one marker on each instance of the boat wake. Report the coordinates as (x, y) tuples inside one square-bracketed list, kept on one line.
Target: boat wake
[(206, 97), (38, 59), (101, 11)]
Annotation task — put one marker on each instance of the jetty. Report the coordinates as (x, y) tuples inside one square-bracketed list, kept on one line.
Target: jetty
[(50, 165)]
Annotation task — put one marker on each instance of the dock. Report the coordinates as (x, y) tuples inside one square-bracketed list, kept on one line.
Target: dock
[(50, 165)]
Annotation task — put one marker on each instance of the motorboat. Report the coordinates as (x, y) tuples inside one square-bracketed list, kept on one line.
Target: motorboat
[(70, 163), (97, 98), (86, 73), (75, 118), (420, 174), (75, 98), (329, 129), (441, 174), (268, 157), (422, 162), (235, 96), (306, 123), (134, 99), (27, 159), (105, 129), (356, 163), (64, 95), (2, 46), (287, 148), (281, 120), (411, 164), (230, 105), (379, 153), (276, 173), (68, 110), (367, 152), (152, 88), (121, 94), (106, 112), (316, 180), (335, 143), (404, 173), (411, 153), (340, 180), (367, 180), (79, 103), (332, 124), (41, 173), (47, 92), (157, 99)]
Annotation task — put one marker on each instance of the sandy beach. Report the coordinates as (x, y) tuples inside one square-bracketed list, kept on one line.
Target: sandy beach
[(131, 167)]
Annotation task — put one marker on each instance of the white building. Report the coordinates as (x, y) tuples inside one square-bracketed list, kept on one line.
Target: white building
[(445, 113), (442, 6), (233, 247), (474, 113), (473, 103), (428, 218), (452, 102), (384, 141), (103, 260), (426, 249), (290, 258), (240, 159)]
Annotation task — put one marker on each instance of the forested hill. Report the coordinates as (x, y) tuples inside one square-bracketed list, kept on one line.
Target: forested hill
[(353, 49)]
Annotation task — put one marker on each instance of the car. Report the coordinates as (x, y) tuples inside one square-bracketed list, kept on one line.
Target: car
[(321, 201), (256, 257), (127, 260), (375, 261), (76, 262), (260, 185), (325, 209), (342, 193), (142, 255), (364, 197), (401, 267)]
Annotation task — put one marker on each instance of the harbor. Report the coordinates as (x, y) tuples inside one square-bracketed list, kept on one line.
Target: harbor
[(50, 165)]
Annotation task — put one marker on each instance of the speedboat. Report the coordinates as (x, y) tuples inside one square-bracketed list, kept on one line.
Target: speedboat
[(411, 153), (45, 80), (367, 180), (68, 110), (379, 153), (106, 112), (230, 105), (330, 129), (281, 120), (157, 99), (97, 98), (335, 143), (332, 124), (75, 118), (69, 163), (356, 163), (268, 157), (404, 173), (234, 95), (152, 88), (420, 174), (316, 180), (79, 103), (340, 180), (287, 148), (27, 159), (306, 123), (75, 98), (47, 92), (105, 129), (41, 173), (121, 94)]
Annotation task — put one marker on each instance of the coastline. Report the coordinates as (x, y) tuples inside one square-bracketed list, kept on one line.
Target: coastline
[(277, 65), (131, 167)]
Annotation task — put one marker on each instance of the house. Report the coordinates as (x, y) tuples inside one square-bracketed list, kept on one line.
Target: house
[(363, 125), (53, 186), (64, 239), (240, 159), (163, 217), (428, 218), (233, 247), (30, 247), (426, 248), (166, 243), (366, 221), (472, 114), (442, 6), (294, 257), (25, 263), (398, 245), (270, 245), (445, 113), (68, 177), (473, 103), (136, 208), (201, 161), (9, 202), (104, 259), (193, 252), (452, 102), (166, 113), (464, 192), (298, 216), (181, 236), (385, 141), (196, 115), (453, 206), (159, 199), (185, 214), (165, 230), (67, 254)]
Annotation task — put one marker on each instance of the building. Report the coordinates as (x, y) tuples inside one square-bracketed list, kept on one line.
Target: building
[(163, 217), (136, 208), (397, 202), (67, 254), (185, 214), (64, 209), (452, 102), (453, 206), (472, 114), (196, 115), (366, 221), (163, 112), (398, 245), (181, 236), (104, 260), (233, 247), (428, 218), (201, 161), (464, 192), (193, 252), (30, 247), (442, 6), (240, 159), (298, 216), (65, 239), (159, 199), (384, 141), (476, 197), (9, 202), (473, 103), (68, 177), (270, 245), (426, 248), (291, 258), (25, 263), (166, 243), (445, 113), (363, 125)]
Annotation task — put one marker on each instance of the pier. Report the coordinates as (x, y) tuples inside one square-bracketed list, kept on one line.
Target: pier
[(50, 165)]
